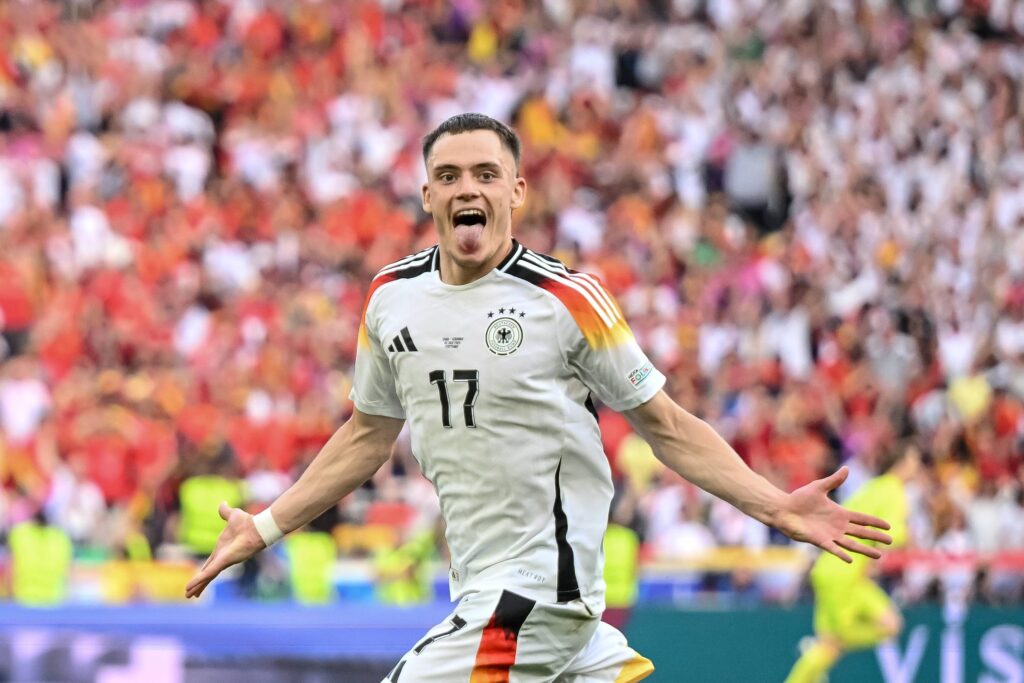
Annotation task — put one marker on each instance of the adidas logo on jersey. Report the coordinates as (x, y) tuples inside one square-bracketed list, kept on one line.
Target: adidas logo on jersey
[(402, 342)]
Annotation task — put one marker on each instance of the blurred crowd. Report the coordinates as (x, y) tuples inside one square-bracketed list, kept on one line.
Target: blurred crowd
[(812, 214)]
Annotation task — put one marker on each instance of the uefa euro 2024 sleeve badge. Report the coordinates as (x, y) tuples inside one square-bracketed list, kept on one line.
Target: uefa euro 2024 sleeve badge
[(504, 335)]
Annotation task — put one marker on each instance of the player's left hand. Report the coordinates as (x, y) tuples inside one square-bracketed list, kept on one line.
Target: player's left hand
[(808, 515)]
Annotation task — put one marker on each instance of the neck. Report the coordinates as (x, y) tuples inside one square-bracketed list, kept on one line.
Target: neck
[(454, 274)]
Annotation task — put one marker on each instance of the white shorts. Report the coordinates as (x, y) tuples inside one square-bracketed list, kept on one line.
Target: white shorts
[(502, 637)]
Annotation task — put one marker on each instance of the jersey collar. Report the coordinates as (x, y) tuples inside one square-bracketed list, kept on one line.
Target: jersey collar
[(513, 256)]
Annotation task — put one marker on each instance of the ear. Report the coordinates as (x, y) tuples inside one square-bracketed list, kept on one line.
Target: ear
[(519, 192), (425, 192)]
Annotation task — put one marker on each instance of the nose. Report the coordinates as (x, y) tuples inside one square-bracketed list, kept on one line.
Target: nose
[(467, 187)]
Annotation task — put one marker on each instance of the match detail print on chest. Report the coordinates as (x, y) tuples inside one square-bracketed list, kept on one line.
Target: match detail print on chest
[(454, 359), (500, 329)]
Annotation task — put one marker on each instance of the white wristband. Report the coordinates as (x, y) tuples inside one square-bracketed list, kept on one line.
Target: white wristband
[(267, 527)]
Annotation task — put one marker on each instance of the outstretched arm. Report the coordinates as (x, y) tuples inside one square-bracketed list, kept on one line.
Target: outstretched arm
[(348, 459), (690, 447)]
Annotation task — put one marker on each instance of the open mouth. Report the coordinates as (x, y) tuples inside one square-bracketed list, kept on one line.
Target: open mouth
[(469, 217)]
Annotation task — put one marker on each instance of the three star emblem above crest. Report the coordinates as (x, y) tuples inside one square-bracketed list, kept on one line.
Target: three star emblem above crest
[(504, 335)]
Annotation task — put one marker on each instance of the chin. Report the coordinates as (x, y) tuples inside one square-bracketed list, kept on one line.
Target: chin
[(481, 253), (473, 260)]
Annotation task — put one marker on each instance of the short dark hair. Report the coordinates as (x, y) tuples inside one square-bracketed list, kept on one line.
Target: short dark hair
[(465, 123)]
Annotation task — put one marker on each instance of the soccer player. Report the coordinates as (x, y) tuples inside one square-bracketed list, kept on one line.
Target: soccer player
[(851, 612), (492, 353)]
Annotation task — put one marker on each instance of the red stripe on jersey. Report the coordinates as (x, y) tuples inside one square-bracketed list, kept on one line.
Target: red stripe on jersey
[(377, 283), (409, 267), (500, 639), (591, 323), (496, 655)]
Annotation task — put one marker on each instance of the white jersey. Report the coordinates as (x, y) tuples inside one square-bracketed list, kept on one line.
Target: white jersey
[(495, 379)]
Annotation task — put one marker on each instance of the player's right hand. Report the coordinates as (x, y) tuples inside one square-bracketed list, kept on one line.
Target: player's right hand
[(237, 543)]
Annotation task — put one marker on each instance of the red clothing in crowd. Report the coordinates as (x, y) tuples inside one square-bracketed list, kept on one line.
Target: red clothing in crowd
[(109, 458), (16, 310)]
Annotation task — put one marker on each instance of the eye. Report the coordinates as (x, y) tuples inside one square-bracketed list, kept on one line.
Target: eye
[(446, 177), (488, 176)]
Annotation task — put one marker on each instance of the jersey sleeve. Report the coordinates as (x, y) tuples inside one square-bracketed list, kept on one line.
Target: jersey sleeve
[(373, 387), (603, 351)]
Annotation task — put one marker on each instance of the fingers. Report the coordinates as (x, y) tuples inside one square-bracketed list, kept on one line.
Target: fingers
[(859, 548), (215, 553), (833, 548), (204, 575), (868, 520), (201, 580), (194, 590), (224, 510), (868, 534), (836, 479), (207, 573), (195, 587)]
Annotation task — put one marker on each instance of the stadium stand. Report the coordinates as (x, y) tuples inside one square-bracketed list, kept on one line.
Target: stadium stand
[(811, 213)]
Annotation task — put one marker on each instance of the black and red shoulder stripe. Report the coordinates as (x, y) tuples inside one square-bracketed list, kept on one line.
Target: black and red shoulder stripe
[(417, 264), (583, 295)]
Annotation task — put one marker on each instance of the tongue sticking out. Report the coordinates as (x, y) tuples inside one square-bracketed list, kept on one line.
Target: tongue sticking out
[(468, 237)]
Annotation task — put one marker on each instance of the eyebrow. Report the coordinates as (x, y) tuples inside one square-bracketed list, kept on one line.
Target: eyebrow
[(482, 166)]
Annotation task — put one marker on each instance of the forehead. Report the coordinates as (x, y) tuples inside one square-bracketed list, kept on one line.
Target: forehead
[(470, 149)]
